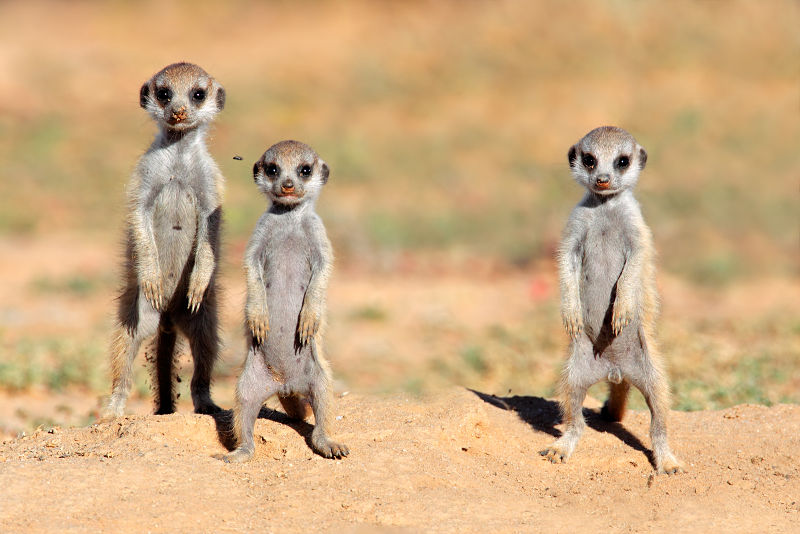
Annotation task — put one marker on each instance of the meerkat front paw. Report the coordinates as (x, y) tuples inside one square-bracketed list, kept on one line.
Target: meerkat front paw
[(310, 318), (573, 321), (623, 314), (197, 289), (257, 320), (153, 290)]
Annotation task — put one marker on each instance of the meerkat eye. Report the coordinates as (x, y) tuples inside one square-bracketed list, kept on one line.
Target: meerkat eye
[(305, 171), (272, 170), (623, 162), (588, 161), (164, 95), (198, 95)]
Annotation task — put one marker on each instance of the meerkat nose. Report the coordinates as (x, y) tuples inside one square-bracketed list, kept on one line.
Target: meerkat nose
[(603, 179), (287, 185)]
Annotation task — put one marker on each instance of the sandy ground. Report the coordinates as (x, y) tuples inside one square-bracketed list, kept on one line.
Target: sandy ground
[(461, 461), (455, 460)]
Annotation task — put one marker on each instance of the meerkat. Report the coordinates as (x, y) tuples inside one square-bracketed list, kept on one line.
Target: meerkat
[(288, 262), (608, 295), (172, 252)]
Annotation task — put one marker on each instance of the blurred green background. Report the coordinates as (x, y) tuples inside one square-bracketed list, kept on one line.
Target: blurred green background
[(446, 125)]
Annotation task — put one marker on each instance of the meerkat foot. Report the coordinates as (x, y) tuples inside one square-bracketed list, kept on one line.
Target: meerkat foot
[(558, 452), (238, 456), (555, 454), (329, 448), (115, 407), (670, 465)]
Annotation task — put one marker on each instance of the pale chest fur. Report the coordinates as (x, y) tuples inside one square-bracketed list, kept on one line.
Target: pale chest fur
[(605, 247)]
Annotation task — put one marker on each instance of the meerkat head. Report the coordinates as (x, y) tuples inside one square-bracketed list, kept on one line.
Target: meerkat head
[(290, 172), (607, 160), (182, 96)]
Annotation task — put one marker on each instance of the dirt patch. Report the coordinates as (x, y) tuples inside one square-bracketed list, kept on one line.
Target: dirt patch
[(460, 461)]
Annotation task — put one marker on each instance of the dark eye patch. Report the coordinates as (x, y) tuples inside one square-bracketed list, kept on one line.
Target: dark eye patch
[(198, 95), (589, 161), (622, 163), (272, 170), (304, 171), (164, 95)]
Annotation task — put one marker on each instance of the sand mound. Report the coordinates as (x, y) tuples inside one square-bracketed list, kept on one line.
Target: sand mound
[(461, 461)]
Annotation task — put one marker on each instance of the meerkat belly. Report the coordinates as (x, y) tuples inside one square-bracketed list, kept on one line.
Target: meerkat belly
[(603, 260), (174, 228), (287, 278)]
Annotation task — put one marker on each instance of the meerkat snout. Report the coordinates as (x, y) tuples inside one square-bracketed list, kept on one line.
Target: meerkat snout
[(287, 186)]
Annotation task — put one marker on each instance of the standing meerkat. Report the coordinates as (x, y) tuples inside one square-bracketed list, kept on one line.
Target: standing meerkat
[(174, 198), (288, 261), (608, 295)]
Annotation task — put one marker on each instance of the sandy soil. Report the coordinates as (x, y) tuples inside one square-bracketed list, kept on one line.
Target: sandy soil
[(461, 461)]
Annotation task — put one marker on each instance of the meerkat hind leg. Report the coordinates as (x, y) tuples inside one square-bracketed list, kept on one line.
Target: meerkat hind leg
[(201, 329), (138, 322), (165, 367), (255, 386), (653, 386), (572, 408), (320, 397), (580, 373)]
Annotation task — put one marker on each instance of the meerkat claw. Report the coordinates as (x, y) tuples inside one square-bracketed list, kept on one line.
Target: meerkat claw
[(152, 292), (259, 330), (573, 326), (309, 325)]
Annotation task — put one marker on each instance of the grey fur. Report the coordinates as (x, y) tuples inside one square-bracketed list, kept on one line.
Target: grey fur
[(288, 262), (608, 296), (172, 251)]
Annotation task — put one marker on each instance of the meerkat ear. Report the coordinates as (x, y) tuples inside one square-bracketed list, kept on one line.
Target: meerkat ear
[(642, 158), (256, 168), (220, 98), (144, 94), (572, 154), (325, 172)]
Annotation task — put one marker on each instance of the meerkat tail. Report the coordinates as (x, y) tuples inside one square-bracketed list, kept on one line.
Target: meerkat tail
[(614, 408), (295, 406)]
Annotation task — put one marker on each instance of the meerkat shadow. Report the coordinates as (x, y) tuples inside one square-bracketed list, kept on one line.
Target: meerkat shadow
[(543, 415), (224, 423)]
